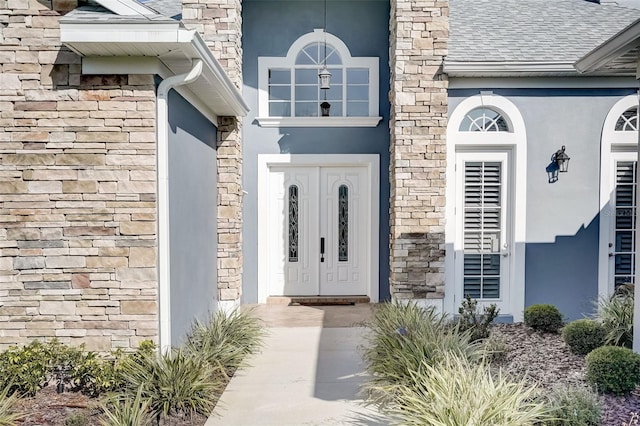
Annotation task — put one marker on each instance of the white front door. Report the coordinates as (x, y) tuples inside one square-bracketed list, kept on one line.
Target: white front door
[(318, 217), (483, 243)]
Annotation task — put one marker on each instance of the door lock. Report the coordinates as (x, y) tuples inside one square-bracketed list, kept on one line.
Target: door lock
[(322, 249)]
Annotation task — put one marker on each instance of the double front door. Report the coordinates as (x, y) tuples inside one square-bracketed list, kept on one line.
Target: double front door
[(318, 219)]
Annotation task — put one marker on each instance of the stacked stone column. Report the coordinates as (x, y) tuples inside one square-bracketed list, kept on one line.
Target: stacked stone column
[(419, 32), (220, 24), (77, 191)]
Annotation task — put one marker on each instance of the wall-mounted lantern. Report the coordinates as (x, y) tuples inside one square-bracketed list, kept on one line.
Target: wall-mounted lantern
[(559, 164), (325, 107), (325, 78)]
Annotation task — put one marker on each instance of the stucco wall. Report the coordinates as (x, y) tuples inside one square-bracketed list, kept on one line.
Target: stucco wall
[(192, 215), (562, 218), (362, 25)]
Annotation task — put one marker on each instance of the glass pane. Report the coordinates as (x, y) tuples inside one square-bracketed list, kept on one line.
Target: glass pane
[(334, 93), (357, 109), (484, 120), (336, 75), (307, 93), (472, 286), (308, 55), (279, 76), (358, 93), (293, 223), (279, 93), (491, 288), (623, 264), (343, 223), (333, 57), (624, 241), (309, 76), (472, 264), (491, 264), (336, 109), (279, 109), (307, 109), (624, 218), (628, 121), (358, 76)]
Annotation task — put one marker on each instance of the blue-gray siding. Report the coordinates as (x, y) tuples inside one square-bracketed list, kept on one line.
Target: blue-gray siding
[(192, 215)]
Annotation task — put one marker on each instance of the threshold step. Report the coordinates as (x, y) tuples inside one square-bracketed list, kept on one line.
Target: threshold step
[(316, 300)]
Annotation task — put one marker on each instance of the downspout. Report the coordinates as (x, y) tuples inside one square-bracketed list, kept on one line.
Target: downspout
[(162, 135)]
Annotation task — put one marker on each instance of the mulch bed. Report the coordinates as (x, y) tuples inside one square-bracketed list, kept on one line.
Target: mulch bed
[(544, 359)]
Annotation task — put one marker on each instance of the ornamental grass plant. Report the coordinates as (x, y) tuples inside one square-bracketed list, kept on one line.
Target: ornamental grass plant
[(8, 412), (458, 392), (403, 338), (616, 315), (119, 410)]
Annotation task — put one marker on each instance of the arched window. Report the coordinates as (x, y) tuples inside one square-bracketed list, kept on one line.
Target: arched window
[(484, 119), (290, 93), (628, 121)]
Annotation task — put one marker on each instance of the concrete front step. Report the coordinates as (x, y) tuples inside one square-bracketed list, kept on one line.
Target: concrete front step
[(316, 300)]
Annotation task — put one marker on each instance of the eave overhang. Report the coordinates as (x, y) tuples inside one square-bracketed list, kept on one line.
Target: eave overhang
[(618, 55), (455, 68), (121, 43)]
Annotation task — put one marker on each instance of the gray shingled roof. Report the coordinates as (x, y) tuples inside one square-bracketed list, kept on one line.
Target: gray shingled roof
[(97, 14), (170, 8), (531, 30)]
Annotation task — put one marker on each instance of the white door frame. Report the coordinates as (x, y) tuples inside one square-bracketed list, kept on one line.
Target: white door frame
[(370, 161), (612, 142), (516, 142)]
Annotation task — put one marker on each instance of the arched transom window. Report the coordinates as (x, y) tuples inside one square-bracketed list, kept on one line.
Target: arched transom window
[(628, 121), (289, 89), (484, 119)]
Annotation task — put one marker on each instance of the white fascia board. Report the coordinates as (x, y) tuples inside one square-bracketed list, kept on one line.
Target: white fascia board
[(616, 46), (114, 32), (97, 65), (487, 69), (126, 7), (542, 82)]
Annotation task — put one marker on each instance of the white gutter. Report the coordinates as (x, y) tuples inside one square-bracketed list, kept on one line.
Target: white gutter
[(162, 134), (506, 68)]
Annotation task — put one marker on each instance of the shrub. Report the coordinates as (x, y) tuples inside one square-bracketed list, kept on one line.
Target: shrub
[(402, 338), (224, 340), (8, 414), (584, 335), (573, 406), (616, 315), (495, 349), (613, 369), (459, 392), (470, 319), (542, 317), (124, 411), (174, 382)]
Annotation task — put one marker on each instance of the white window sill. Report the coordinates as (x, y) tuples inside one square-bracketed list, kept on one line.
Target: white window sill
[(318, 121)]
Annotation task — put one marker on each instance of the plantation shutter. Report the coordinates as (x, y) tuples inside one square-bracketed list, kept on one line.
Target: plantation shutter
[(483, 211), (625, 222)]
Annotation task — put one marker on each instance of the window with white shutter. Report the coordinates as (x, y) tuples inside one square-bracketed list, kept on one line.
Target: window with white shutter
[(624, 245)]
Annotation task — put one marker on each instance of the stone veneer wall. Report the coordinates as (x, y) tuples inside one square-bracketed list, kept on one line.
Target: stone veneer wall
[(220, 24), (77, 191), (419, 32)]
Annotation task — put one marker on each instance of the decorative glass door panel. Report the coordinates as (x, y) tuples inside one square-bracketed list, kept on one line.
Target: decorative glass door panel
[(317, 219), (482, 209), (623, 203)]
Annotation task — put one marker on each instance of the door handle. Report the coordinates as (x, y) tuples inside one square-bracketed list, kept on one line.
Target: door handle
[(322, 249)]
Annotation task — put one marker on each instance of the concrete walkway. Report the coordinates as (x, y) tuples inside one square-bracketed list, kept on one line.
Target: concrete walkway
[(308, 373)]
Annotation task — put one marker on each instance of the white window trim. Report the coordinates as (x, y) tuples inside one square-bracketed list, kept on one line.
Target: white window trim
[(612, 141), (370, 161), (515, 141), (318, 35)]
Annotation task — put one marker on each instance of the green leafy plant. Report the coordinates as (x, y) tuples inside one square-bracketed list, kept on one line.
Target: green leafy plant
[(573, 406), (613, 369), (121, 410), (402, 338), (477, 323), (176, 383), (77, 419), (543, 317), (584, 335), (8, 413), (495, 349), (224, 340), (25, 369), (457, 391), (616, 315)]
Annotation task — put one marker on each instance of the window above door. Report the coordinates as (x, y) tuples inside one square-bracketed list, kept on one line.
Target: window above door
[(290, 93)]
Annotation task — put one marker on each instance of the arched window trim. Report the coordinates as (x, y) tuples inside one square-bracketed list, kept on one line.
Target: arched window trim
[(614, 142), (265, 63), (468, 121), (516, 142)]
